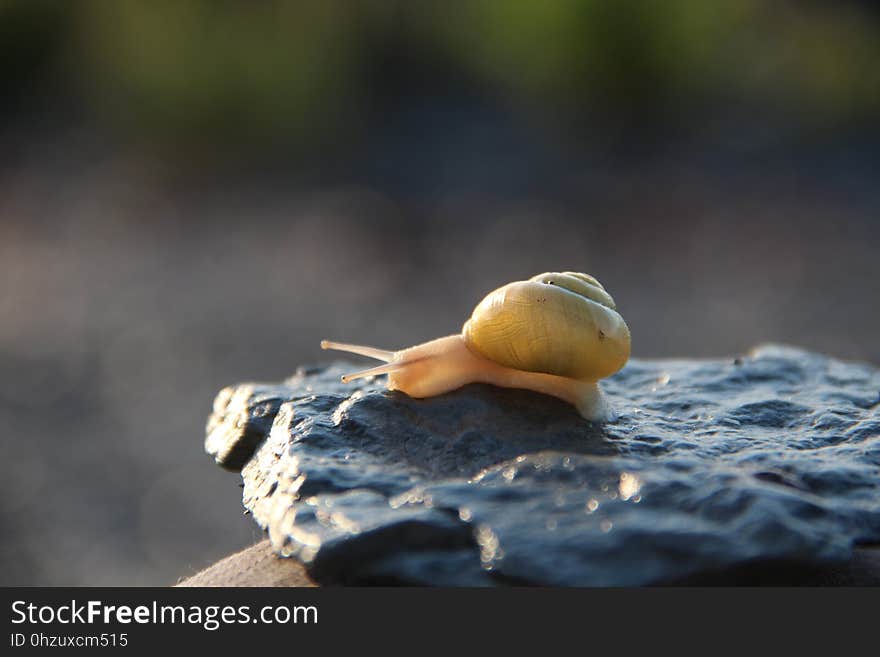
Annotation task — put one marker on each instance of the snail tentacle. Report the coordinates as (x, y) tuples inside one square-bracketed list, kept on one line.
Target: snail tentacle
[(394, 361), (373, 371), (370, 352)]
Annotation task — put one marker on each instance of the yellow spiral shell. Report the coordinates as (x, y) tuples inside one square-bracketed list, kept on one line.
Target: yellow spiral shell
[(561, 323)]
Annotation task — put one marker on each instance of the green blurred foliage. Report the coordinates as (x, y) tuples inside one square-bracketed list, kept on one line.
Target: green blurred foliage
[(634, 55), (614, 53), (32, 37), (206, 71)]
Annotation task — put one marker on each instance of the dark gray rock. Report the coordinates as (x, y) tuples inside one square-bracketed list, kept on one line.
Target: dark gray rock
[(711, 466)]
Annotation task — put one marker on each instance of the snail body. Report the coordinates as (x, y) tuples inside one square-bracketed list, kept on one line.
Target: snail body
[(556, 333)]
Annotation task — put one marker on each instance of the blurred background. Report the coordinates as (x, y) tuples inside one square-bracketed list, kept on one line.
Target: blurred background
[(193, 194)]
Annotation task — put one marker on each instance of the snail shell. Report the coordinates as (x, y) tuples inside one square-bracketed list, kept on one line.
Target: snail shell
[(557, 333), (564, 324)]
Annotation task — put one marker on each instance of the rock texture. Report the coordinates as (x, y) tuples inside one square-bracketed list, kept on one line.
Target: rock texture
[(256, 566), (711, 466)]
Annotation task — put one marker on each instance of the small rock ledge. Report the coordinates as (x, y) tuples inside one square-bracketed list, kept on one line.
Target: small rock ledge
[(712, 465)]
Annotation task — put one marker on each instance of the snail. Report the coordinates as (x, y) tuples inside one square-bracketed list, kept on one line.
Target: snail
[(556, 333)]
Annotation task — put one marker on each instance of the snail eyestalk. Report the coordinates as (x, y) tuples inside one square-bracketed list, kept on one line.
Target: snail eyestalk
[(370, 352), (373, 371)]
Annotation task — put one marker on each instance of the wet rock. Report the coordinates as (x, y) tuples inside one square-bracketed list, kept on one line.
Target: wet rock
[(712, 465)]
